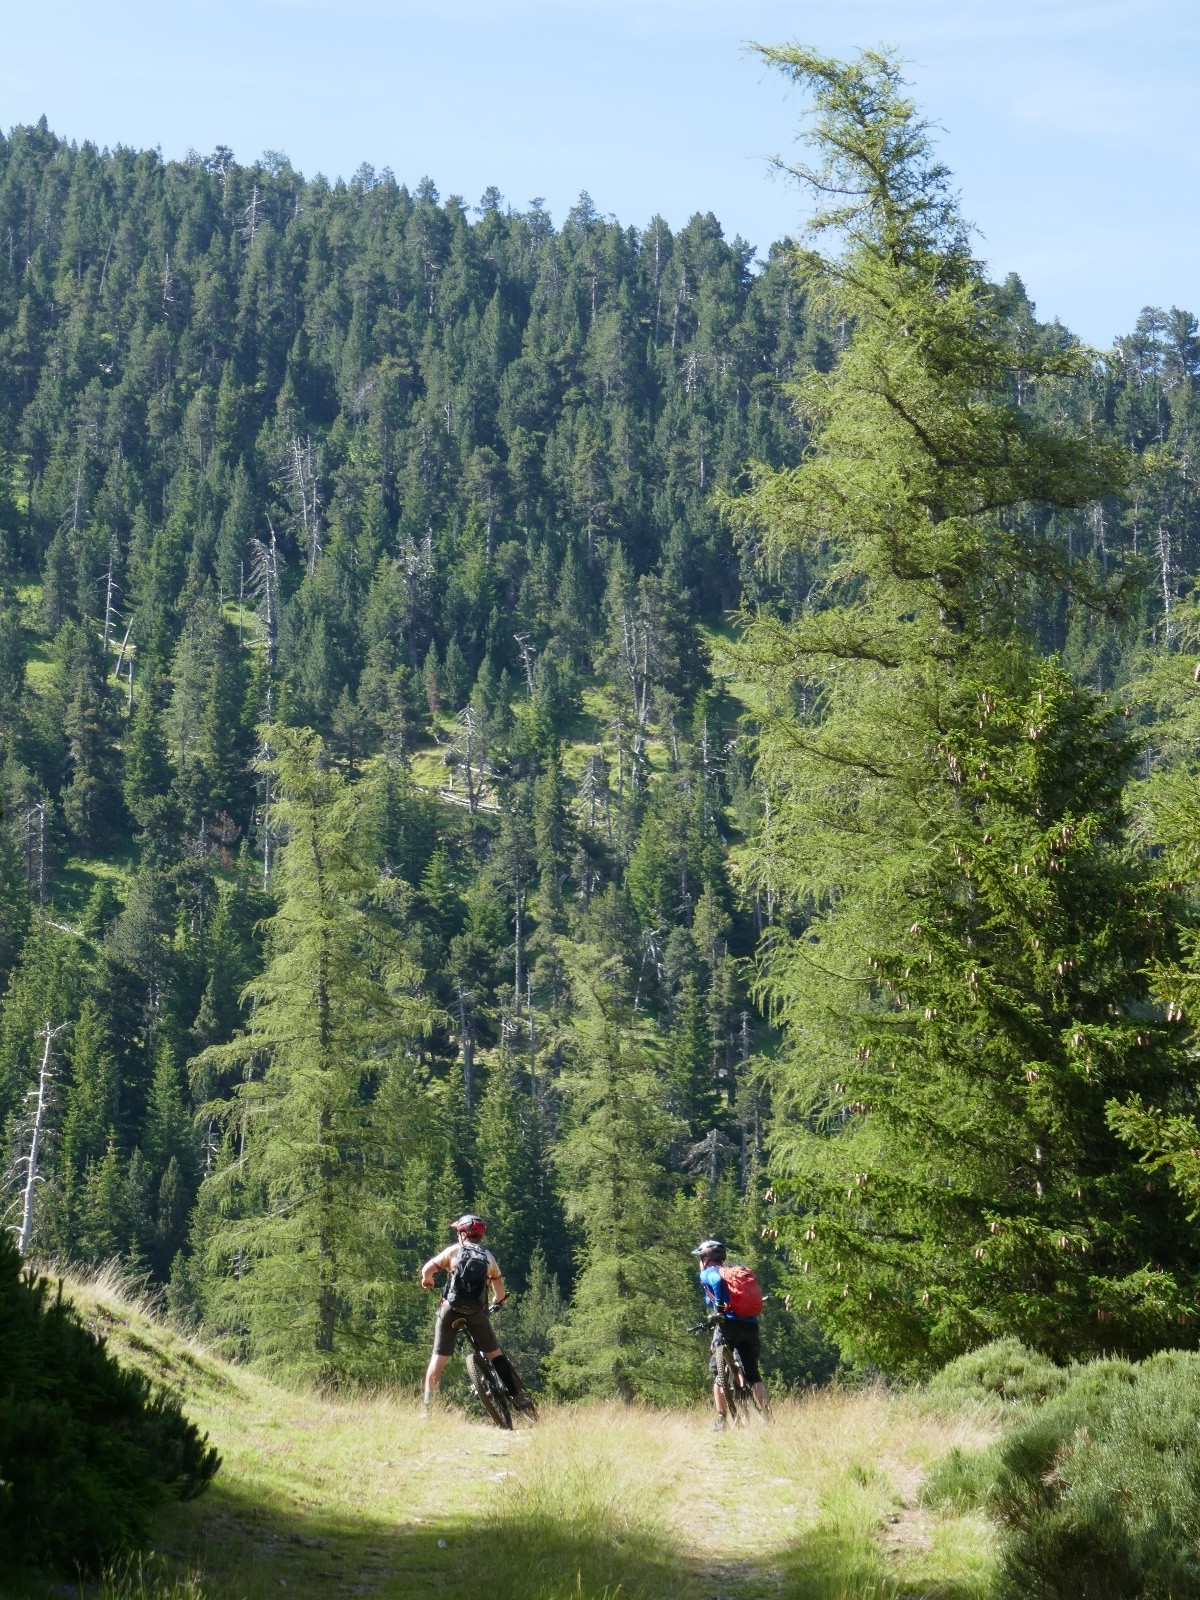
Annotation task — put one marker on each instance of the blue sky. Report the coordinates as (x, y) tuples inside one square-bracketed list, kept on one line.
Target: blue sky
[(1073, 126)]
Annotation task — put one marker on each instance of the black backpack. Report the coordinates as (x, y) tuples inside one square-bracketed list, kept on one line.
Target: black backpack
[(467, 1289)]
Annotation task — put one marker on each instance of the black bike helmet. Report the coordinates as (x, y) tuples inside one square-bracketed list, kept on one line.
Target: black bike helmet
[(712, 1248)]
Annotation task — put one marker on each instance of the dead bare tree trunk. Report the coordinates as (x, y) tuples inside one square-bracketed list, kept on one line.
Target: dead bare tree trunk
[(25, 1236), (264, 752), (109, 590), (264, 570), (532, 1039)]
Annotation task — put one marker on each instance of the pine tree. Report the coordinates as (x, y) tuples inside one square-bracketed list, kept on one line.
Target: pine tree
[(91, 1110), (301, 1254), (44, 990), (514, 1188), (221, 778), (92, 798), (148, 777), (624, 1333), (962, 977)]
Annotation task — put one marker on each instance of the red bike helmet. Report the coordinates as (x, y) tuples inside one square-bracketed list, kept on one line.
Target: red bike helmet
[(470, 1226)]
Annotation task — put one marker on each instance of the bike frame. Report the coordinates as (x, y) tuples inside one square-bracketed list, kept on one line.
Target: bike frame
[(731, 1375), (487, 1383)]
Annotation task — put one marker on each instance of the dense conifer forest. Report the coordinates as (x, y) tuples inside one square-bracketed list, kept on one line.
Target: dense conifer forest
[(589, 723)]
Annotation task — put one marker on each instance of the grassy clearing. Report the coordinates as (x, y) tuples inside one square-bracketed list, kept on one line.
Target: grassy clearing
[(322, 1497)]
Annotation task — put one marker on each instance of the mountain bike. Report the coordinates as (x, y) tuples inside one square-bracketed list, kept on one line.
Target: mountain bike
[(731, 1375), (489, 1386)]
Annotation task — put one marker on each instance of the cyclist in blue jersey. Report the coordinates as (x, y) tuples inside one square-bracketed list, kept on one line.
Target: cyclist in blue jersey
[(738, 1333)]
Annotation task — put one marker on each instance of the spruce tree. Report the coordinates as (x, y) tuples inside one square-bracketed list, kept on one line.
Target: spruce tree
[(169, 1149), (103, 1230), (14, 906), (148, 777), (44, 990), (221, 783), (92, 798), (961, 975), (90, 1116)]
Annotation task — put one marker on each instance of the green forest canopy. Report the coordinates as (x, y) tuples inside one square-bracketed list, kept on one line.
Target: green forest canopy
[(586, 724)]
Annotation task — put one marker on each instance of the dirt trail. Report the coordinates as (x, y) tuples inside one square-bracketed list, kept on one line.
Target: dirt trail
[(596, 1500), (731, 1514)]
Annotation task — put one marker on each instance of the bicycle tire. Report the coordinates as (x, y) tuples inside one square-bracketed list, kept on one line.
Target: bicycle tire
[(727, 1378), (493, 1396), (748, 1389), (529, 1410)]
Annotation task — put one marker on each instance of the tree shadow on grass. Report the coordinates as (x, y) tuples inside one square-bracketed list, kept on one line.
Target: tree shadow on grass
[(248, 1550), (245, 1542)]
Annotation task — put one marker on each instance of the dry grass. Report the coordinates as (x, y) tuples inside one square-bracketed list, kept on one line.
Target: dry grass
[(322, 1497)]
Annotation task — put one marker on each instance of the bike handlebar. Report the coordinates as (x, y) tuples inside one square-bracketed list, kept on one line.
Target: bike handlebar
[(712, 1318)]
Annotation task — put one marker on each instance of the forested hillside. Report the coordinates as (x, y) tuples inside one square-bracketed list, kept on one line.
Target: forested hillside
[(401, 713), (438, 486)]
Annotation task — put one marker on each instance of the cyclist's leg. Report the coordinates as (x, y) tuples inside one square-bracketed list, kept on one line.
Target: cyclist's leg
[(445, 1334), (479, 1330), (479, 1326), (433, 1375), (508, 1375), (748, 1349), (718, 1391)]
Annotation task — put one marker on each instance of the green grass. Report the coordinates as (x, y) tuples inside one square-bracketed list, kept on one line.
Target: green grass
[(320, 1496), (721, 643)]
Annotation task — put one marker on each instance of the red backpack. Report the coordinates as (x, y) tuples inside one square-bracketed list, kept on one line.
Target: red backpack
[(744, 1295)]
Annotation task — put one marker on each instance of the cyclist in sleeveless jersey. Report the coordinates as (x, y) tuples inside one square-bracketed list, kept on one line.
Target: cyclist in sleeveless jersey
[(477, 1323), (738, 1333)]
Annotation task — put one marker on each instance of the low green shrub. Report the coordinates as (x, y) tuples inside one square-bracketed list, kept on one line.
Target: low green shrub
[(88, 1449), (1098, 1487), (1004, 1371)]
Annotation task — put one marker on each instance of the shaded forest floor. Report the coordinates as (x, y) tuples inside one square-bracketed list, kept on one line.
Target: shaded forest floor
[(365, 1497)]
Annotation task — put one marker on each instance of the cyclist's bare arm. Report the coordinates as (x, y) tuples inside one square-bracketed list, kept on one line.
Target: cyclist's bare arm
[(499, 1292), (442, 1262)]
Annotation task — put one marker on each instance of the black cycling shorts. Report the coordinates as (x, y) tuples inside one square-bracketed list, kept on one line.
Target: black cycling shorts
[(477, 1324), (742, 1337)]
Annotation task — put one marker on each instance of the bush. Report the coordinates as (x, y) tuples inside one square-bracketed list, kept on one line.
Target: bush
[(87, 1449), (1005, 1371), (1098, 1487)]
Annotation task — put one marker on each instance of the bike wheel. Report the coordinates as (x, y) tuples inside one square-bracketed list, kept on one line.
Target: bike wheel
[(528, 1408), (727, 1378), (746, 1391), (493, 1396)]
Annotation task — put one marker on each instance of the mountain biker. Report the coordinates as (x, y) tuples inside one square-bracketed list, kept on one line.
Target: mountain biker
[(473, 1270), (737, 1331)]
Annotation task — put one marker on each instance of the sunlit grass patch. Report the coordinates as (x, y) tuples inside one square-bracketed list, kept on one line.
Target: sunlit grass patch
[(352, 1495)]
